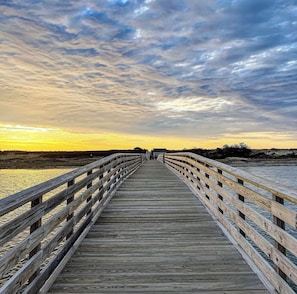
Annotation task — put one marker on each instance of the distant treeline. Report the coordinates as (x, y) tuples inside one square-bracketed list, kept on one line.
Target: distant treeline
[(219, 153), (240, 150)]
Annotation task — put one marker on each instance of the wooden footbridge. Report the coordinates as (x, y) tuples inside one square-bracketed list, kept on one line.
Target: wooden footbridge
[(184, 224)]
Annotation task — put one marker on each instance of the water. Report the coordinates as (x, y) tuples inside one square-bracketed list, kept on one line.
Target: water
[(15, 180), (284, 175)]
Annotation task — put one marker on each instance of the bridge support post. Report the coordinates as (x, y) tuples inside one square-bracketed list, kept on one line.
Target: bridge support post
[(70, 216), (242, 215), (33, 228), (89, 186), (206, 185), (219, 196), (280, 223)]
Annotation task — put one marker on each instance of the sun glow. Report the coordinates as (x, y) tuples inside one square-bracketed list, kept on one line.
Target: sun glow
[(42, 138)]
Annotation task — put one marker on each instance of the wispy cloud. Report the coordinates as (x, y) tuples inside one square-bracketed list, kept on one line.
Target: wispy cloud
[(150, 67)]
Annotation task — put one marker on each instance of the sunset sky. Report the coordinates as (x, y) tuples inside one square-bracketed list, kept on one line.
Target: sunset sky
[(108, 74)]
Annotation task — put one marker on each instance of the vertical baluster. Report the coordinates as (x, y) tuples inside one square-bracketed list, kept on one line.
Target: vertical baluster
[(242, 215), (192, 174), (109, 179), (100, 178), (197, 177), (280, 223), (219, 196), (89, 186), (33, 228), (207, 176), (119, 173), (69, 200)]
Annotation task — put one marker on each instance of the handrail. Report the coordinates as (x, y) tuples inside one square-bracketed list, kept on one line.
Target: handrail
[(45, 223), (260, 215)]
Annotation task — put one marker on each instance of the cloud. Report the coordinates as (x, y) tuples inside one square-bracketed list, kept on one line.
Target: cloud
[(147, 67)]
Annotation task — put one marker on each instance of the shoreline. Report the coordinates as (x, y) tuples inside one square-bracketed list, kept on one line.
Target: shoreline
[(76, 159), (74, 164), (45, 165), (29, 161), (238, 162)]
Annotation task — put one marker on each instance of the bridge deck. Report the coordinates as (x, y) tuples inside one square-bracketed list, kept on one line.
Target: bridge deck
[(156, 237)]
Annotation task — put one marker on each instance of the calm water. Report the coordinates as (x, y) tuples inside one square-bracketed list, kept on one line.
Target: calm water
[(15, 180), (285, 175)]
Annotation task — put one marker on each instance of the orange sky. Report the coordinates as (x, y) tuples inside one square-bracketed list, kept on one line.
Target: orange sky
[(52, 139)]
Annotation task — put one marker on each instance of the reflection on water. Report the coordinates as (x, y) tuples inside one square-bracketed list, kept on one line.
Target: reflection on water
[(15, 180)]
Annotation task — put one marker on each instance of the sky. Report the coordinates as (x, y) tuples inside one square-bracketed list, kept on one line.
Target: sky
[(112, 74)]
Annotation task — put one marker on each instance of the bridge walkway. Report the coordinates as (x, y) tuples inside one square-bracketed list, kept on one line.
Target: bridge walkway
[(156, 237)]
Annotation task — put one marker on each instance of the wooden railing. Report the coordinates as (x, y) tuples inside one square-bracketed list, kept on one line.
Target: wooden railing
[(260, 216), (41, 227)]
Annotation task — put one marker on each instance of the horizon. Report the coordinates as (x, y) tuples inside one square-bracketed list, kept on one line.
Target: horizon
[(116, 74), (143, 149)]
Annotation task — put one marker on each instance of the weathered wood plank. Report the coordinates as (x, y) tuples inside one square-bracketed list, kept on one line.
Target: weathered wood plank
[(156, 237)]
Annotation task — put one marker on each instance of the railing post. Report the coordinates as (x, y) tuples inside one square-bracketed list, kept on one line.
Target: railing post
[(197, 177), (219, 196), (280, 223), (33, 228), (207, 176), (89, 186), (142, 156), (100, 178), (69, 200), (242, 215)]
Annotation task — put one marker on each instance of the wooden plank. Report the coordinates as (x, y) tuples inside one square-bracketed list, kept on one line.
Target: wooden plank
[(154, 236)]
